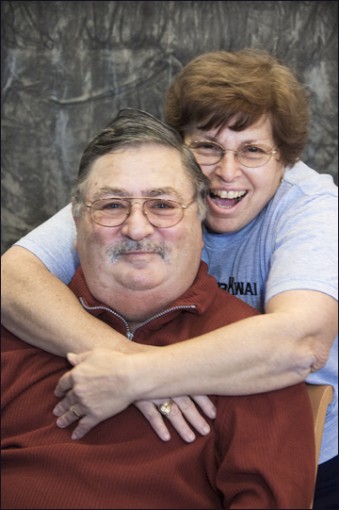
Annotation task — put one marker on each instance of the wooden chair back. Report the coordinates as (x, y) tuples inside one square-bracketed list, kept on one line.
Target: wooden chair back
[(320, 396)]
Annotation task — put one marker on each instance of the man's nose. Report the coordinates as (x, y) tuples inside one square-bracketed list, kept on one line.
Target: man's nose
[(137, 226), (228, 167)]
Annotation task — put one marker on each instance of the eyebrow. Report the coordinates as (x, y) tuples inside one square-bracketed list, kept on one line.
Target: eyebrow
[(167, 190), (251, 141), (106, 191)]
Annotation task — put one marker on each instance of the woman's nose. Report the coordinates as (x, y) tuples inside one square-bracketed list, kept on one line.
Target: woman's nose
[(228, 167)]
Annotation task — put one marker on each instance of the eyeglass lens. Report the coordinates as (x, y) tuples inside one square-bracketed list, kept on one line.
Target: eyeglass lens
[(112, 212), (250, 155)]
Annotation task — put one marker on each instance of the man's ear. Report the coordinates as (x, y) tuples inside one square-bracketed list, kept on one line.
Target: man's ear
[(76, 219), (75, 214)]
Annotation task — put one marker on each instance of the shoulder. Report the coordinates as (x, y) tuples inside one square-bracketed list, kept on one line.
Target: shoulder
[(303, 193), (303, 181)]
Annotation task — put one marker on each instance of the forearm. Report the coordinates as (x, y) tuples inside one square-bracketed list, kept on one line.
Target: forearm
[(254, 355), (261, 353), (250, 356), (41, 310)]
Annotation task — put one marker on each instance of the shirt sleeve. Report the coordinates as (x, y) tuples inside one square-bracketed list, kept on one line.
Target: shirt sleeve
[(53, 243), (305, 255), (267, 453)]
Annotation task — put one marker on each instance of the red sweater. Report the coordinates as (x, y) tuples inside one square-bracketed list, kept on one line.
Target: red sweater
[(259, 454)]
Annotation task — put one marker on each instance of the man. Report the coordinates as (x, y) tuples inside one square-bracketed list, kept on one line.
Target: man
[(138, 207)]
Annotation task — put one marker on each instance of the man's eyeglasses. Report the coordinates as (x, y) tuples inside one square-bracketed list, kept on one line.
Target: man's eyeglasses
[(251, 156), (112, 212)]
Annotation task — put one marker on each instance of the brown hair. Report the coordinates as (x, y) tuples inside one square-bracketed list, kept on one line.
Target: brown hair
[(135, 128), (235, 88)]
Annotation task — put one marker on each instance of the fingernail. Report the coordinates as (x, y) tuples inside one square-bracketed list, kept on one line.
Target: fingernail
[(190, 437)]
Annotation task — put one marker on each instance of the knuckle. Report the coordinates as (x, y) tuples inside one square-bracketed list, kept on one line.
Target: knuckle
[(148, 409), (175, 412), (151, 412), (184, 403)]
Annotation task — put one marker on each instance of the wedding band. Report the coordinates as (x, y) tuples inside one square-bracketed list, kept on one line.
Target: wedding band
[(165, 408), (74, 411)]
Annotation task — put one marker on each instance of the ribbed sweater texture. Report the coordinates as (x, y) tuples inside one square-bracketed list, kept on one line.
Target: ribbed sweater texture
[(259, 453)]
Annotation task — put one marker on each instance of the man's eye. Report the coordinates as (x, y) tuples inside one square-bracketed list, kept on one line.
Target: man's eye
[(162, 204), (113, 205)]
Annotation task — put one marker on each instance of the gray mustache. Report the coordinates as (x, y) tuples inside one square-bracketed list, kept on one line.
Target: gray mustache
[(130, 246)]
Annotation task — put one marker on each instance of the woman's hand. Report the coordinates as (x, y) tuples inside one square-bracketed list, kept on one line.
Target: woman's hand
[(95, 389)]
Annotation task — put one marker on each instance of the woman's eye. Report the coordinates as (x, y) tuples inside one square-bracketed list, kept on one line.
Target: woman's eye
[(207, 146), (253, 149)]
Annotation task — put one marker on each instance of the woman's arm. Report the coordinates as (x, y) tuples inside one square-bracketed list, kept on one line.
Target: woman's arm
[(31, 294), (40, 309), (257, 354)]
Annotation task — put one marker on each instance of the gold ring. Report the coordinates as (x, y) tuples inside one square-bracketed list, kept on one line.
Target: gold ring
[(165, 408), (74, 411)]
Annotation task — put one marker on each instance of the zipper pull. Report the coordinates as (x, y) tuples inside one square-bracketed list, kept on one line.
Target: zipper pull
[(130, 335)]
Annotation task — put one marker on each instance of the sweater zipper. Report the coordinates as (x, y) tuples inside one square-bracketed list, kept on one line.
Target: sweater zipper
[(130, 334)]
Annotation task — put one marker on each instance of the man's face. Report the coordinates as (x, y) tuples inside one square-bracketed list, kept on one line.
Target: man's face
[(136, 255), (238, 193)]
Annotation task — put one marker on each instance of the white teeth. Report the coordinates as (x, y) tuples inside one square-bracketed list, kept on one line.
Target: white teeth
[(229, 194)]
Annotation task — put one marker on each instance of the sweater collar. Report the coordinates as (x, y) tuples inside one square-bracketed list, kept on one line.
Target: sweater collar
[(196, 299)]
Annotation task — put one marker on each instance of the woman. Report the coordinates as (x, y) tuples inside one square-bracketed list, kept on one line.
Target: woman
[(270, 238)]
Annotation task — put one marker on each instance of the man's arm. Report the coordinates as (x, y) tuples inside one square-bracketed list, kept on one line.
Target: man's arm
[(266, 449)]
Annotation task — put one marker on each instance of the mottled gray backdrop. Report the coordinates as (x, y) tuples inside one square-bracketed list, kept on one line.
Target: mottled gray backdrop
[(68, 67)]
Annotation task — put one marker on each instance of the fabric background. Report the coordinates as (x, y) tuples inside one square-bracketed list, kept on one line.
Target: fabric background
[(68, 67)]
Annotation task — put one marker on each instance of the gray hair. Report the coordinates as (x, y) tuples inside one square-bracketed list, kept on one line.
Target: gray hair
[(133, 128)]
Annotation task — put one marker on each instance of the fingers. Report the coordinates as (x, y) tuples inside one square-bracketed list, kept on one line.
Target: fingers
[(179, 423), (206, 405), (69, 413), (65, 383), (186, 412), (75, 359), (85, 424), (66, 417), (181, 412), (63, 406), (154, 418)]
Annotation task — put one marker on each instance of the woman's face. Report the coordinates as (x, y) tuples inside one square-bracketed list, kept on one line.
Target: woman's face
[(238, 193)]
